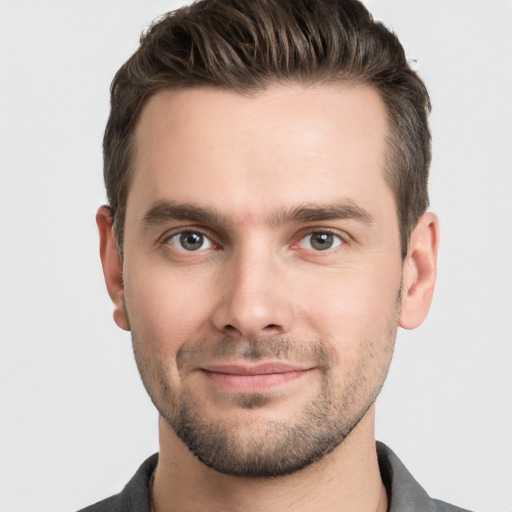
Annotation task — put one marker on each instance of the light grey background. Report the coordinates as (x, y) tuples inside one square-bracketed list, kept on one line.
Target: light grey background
[(75, 422)]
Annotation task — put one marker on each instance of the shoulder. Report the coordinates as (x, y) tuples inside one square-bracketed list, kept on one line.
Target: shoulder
[(404, 492), (111, 504), (135, 497), (441, 506)]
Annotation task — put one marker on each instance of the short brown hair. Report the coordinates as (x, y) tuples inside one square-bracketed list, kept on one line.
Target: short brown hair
[(245, 46)]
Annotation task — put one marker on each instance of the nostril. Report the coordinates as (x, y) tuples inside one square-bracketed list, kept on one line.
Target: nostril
[(250, 331)]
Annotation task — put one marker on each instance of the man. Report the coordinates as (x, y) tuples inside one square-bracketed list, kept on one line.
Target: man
[(266, 165)]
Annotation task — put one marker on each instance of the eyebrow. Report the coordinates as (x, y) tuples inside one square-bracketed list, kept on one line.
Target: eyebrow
[(166, 211), (314, 213)]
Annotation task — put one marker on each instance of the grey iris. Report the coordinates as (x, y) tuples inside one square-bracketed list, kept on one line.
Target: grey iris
[(322, 241), (191, 241)]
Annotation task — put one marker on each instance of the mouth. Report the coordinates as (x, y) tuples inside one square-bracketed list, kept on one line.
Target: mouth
[(253, 378)]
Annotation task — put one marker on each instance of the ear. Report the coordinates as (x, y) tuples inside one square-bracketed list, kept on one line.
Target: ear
[(419, 272), (112, 266)]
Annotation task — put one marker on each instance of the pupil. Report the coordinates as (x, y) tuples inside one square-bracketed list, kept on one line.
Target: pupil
[(191, 241), (322, 241)]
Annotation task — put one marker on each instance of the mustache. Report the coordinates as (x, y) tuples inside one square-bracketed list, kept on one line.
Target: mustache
[(276, 348)]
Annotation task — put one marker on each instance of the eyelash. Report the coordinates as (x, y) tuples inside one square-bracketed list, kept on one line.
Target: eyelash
[(341, 240), (188, 232)]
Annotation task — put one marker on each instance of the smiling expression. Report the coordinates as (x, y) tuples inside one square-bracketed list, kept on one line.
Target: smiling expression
[(262, 269)]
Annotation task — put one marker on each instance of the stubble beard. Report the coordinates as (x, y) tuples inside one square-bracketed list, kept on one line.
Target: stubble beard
[(272, 448)]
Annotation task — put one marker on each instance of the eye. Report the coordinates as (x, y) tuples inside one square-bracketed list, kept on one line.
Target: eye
[(190, 241), (320, 241)]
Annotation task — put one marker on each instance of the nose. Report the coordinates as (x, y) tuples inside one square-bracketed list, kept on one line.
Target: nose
[(256, 300)]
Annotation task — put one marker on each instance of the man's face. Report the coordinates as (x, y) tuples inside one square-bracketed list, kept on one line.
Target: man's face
[(262, 269)]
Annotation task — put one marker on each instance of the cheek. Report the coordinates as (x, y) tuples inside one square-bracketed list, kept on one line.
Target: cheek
[(165, 307), (350, 302), (358, 314)]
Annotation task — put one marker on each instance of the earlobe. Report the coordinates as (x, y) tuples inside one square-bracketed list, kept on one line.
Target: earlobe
[(112, 266), (419, 272)]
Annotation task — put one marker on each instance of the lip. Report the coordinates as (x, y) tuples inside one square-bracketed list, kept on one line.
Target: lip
[(253, 378)]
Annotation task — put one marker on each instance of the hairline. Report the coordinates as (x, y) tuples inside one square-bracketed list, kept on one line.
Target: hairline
[(391, 152)]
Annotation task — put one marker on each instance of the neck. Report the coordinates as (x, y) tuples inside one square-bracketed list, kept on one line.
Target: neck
[(347, 480)]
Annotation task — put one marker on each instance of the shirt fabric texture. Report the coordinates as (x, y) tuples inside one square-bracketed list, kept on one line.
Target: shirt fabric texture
[(405, 494)]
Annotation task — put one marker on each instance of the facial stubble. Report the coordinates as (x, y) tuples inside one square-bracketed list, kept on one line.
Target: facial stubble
[(261, 447)]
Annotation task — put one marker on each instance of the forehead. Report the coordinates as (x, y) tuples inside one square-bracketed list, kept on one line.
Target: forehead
[(287, 145)]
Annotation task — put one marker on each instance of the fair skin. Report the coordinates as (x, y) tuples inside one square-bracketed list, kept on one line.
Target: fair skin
[(263, 285)]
